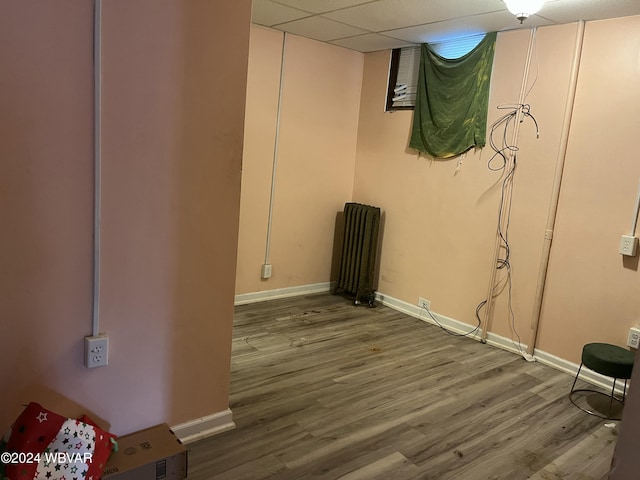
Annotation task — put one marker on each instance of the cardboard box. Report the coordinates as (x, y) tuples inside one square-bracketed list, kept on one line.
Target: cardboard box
[(151, 454)]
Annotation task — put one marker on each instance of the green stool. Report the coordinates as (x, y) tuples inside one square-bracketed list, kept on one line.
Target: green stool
[(611, 361)]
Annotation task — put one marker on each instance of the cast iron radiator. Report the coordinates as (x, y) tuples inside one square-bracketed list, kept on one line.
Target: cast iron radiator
[(358, 254)]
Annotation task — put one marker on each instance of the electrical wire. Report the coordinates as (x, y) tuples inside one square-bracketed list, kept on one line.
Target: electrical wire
[(504, 121), (513, 319), (453, 334), (507, 154), (505, 151)]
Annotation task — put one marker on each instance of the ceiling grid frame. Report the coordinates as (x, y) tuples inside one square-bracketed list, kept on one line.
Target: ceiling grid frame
[(371, 25)]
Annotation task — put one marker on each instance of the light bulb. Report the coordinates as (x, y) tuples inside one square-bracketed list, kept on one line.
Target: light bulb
[(523, 8)]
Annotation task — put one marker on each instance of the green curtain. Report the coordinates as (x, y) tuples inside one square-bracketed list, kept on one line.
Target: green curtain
[(450, 115)]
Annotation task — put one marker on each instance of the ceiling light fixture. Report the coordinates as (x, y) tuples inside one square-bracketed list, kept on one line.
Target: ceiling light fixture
[(523, 8)]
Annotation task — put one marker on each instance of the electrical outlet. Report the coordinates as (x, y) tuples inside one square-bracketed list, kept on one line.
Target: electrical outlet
[(634, 337), (424, 303), (96, 351), (628, 245), (266, 271)]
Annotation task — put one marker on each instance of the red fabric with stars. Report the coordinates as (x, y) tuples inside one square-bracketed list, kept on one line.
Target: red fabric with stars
[(37, 427)]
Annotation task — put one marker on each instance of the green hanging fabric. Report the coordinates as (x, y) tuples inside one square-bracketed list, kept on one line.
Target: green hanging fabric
[(450, 115)]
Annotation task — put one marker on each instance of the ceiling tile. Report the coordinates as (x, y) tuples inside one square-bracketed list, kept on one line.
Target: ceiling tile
[(266, 12), (322, 6), (566, 11), (355, 23), (394, 14), (320, 28), (370, 42), (463, 27)]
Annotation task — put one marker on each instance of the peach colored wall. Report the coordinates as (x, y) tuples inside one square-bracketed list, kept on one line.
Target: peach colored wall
[(439, 230), (46, 207), (592, 292), (265, 52), (318, 132), (172, 148), (440, 225)]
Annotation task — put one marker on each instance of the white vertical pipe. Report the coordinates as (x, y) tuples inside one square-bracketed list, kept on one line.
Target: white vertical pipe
[(555, 192), (97, 144), (275, 151), (634, 222), (505, 206)]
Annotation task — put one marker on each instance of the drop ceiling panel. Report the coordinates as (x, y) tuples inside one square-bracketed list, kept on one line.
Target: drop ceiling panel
[(320, 28), (463, 27), (393, 14), (322, 6), (266, 12), (369, 25), (567, 11), (371, 42)]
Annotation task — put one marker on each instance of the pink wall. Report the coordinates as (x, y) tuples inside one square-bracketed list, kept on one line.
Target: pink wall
[(318, 132), (440, 226), (592, 292), (265, 53), (172, 150), (441, 217), (46, 206)]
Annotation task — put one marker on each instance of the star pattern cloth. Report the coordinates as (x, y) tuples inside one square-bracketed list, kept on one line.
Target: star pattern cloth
[(69, 449), (73, 441)]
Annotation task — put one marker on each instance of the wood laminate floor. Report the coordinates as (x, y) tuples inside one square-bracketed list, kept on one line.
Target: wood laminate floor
[(321, 389)]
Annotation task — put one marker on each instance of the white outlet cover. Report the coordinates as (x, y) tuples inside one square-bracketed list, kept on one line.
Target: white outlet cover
[(424, 302), (96, 351), (628, 245)]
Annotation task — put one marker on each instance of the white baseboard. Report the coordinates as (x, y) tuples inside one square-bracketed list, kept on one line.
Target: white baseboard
[(204, 427), (219, 422), (254, 297), (451, 324), (504, 343), (586, 375)]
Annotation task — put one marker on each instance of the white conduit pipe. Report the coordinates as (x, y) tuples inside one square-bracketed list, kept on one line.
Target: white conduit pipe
[(634, 222), (555, 192), (275, 152), (97, 144), (486, 324)]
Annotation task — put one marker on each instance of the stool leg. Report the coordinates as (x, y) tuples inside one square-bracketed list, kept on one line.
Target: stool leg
[(576, 379), (624, 392), (612, 397)]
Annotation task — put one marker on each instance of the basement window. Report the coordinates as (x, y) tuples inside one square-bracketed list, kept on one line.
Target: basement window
[(405, 63), (403, 78)]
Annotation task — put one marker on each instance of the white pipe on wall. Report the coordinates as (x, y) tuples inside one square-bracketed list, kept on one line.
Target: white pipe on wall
[(97, 144), (555, 192), (634, 222), (275, 152), (490, 298)]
